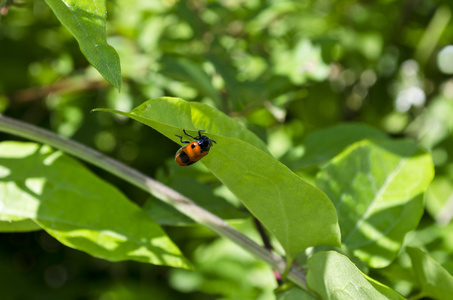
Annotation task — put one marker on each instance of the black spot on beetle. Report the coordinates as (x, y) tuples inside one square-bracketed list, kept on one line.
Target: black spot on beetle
[(184, 157)]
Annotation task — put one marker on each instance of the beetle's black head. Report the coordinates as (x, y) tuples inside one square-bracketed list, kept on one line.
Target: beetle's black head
[(205, 143)]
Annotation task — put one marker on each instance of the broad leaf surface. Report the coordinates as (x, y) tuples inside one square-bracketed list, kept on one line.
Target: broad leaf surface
[(377, 189), (298, 214), (78, 208), (322, 145), (333, 276), (435, 282), (86, 21)]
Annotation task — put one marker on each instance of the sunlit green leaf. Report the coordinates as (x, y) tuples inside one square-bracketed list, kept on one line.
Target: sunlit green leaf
[(86, 21), (377, 189), (435, 282), (298, 214), (333, 276), (78, 208)]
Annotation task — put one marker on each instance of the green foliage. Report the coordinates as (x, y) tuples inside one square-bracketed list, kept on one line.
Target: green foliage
[(188, 181), (323, 145), (377, 189), (294, 92), (294, 293), (18, 225), (271, 192), (334, 276), (219, 269), (438, 199), (86, 21), (77, 208), (434, 280)]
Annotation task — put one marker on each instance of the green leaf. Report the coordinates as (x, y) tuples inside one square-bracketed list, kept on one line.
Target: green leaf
[(377, 189), (298, 214), (435, 282), (186, 181), (323, 145), (78, 208), (333, 276), (294, 293), (20, 225), (86, 21)]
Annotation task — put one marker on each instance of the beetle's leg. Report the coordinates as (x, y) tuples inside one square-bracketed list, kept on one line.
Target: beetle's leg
[(189, 134), (180, 138), (214, 141)]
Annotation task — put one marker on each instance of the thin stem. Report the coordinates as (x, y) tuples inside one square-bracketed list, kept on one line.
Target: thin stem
[(267, 244), (159, 190)]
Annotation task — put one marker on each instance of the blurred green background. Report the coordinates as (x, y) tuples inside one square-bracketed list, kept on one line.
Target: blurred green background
[(282, 68)]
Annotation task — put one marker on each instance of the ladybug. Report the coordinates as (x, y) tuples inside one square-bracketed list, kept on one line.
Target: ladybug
[(194, 151)]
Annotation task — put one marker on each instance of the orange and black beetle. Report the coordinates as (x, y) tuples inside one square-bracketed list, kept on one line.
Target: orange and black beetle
[(194, 151)]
